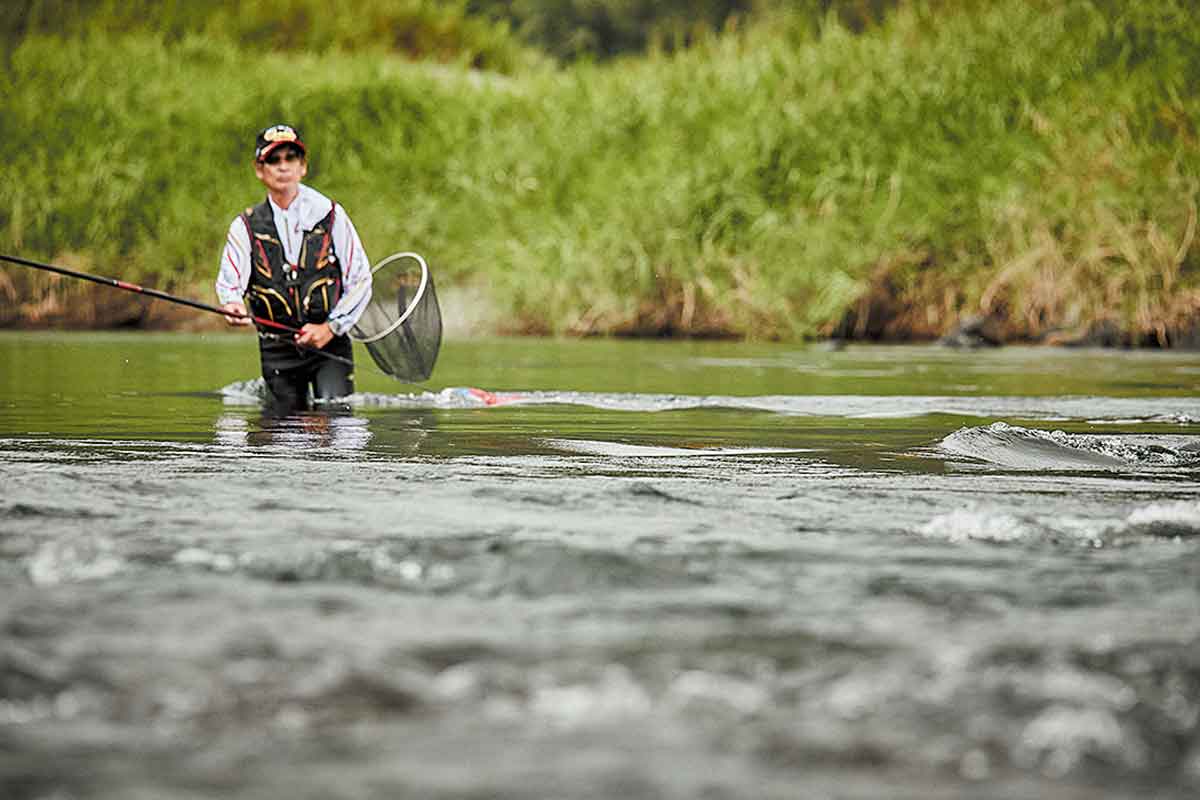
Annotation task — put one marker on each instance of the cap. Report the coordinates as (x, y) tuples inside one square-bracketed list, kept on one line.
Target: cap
[(274, 136)]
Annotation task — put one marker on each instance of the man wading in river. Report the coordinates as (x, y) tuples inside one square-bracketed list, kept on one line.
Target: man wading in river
[(296, 259)]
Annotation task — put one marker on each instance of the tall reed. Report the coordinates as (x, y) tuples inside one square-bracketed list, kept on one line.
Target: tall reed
[(1034, 161)]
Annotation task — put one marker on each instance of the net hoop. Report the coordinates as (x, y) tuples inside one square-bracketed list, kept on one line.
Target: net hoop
[(412, 304)]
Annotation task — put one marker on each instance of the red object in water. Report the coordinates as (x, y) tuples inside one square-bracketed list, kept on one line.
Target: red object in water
[(491, 398)]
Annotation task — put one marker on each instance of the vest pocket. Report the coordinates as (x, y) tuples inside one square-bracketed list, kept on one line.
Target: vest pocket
[(319, 299), (267, 303)]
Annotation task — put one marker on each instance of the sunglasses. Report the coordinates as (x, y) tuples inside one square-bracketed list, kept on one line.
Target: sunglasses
[(287, 155)]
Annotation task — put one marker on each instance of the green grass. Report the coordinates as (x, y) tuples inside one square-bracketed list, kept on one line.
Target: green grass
[(433, 30), (1036, 161)]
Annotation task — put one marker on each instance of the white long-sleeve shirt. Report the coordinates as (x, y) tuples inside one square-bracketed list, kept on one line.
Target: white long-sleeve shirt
[(309, 208)]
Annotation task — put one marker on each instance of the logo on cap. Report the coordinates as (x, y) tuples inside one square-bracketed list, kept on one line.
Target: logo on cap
[(280, 133)]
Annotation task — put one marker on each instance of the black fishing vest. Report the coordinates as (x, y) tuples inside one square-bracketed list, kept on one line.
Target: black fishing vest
[(291, 294)]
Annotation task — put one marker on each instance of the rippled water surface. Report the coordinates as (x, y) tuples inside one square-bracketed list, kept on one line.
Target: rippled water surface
[(600, 570)]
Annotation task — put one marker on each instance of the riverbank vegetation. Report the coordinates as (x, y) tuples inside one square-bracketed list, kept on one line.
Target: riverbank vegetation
[(859, 169)]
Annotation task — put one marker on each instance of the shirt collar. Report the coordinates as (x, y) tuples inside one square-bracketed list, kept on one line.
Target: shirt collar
[(309, 207), (295, 206)]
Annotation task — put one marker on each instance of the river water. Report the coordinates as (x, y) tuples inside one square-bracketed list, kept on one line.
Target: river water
[(616, 570)]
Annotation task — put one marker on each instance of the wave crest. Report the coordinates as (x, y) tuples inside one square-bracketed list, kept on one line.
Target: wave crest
[(1031, 449)]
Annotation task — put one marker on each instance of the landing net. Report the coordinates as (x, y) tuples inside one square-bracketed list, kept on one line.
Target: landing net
[(402, 325)]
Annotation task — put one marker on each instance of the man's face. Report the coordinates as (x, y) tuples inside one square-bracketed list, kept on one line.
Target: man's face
[(282, 169)]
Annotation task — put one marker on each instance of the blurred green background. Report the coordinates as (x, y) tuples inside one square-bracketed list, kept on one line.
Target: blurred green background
[(873, 169)]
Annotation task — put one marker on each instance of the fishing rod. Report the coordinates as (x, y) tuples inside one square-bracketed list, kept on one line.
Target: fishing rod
[(170, 298)]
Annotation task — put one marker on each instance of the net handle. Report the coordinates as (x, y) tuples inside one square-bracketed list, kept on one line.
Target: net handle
[(412, 304)]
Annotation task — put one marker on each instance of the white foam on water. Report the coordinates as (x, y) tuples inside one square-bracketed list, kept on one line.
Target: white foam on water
[(244, 393), (58, 562), (199, 557), (1178, 410), (702, 689), (1060, 737), (619, 450), (964, 525), (611, 698), (1157, 521), (1183, 513), (1169, 520)]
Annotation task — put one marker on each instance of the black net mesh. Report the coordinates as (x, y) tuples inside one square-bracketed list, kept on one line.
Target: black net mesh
[(402, 325)]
